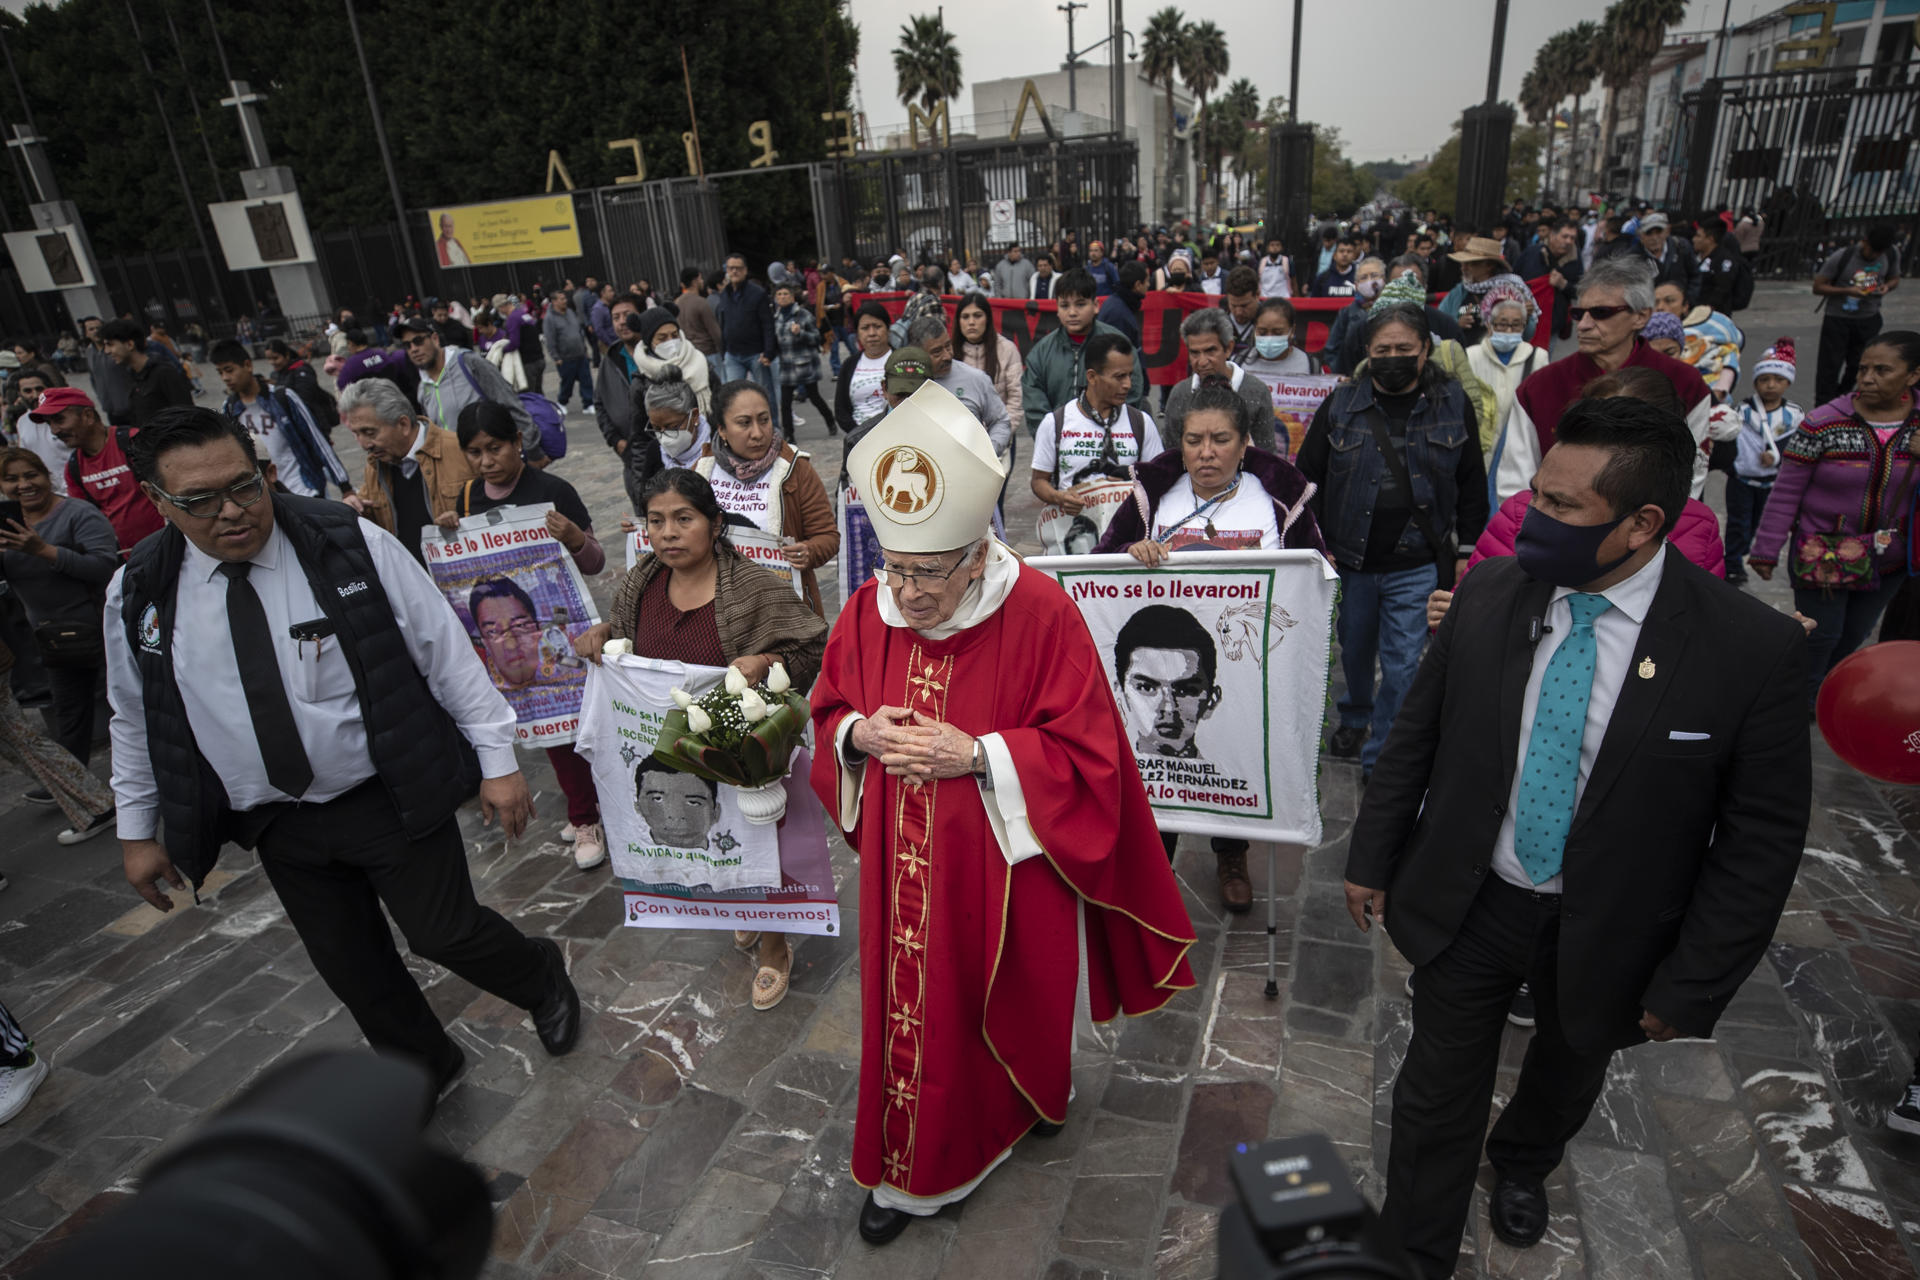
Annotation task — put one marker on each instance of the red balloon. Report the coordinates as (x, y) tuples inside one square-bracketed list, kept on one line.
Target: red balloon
[(1869, 710)]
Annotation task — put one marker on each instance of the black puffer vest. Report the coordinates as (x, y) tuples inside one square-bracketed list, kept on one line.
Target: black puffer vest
[(426, 765)]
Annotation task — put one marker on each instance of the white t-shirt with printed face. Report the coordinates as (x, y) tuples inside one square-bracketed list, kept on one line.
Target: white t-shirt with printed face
[(867, 388), (272, 443), (1242, 522), (1069, 441)]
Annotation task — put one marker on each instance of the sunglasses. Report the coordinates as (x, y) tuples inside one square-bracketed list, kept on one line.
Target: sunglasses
[(1577, 314)]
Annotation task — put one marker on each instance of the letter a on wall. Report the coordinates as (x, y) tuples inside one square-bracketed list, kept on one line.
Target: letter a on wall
[(1028, 94), (557, 167)]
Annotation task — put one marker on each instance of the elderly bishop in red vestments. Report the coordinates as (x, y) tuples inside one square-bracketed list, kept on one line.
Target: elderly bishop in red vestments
[(979, 766)]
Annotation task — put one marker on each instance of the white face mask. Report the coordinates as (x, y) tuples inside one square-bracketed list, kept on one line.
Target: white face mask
[(1371, 288), (674, 443), (667, 350)]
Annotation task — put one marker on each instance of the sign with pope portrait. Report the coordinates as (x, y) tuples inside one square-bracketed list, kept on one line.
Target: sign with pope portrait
[(1219, 661)]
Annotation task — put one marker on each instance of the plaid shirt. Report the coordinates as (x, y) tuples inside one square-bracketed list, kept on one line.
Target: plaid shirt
[(799, 352)]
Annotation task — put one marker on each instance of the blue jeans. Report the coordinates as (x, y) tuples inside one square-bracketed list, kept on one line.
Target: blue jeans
[(1745, 501), (1842, 622), (737, 367), (576, 369), (1384, 616)]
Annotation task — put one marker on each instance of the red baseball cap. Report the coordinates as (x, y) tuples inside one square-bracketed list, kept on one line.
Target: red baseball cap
[(55, 401)]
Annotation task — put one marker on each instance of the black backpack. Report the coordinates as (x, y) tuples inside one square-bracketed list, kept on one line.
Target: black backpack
[(1742, 295)]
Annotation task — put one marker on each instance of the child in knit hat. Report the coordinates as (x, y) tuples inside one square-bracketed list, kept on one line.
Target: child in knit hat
[(1767, 419)]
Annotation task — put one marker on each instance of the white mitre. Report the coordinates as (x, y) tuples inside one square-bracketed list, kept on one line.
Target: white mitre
[(927, 474)]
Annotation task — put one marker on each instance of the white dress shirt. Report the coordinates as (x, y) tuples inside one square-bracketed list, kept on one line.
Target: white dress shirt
[(1615, 634), (326, 706)]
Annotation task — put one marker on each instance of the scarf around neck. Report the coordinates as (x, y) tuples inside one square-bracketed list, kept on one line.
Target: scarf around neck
[(739, 468)]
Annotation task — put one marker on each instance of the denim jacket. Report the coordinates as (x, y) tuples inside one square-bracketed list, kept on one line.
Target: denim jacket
[(1436, 432)]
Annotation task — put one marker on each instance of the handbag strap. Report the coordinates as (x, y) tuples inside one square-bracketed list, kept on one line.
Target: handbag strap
[(1422, 514)]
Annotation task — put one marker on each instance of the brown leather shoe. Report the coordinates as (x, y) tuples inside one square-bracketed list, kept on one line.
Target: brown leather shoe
[(1236, 891)]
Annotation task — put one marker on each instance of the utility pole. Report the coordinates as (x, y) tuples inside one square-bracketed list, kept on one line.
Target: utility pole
[(1117, 66), (386, 156), (1486, 134), (1720, 54), (1293, 85), (1073, 80)]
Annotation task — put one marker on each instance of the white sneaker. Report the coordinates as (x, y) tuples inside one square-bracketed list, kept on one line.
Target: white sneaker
[(80, 835), (569, 833), (589, 850), (17, 1085), (589, 411)]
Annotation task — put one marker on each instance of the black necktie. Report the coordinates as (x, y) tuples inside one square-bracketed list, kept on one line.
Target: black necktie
[(288, 768)]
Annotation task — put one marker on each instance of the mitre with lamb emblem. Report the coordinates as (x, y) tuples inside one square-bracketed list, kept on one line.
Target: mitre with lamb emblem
[(927, 474)]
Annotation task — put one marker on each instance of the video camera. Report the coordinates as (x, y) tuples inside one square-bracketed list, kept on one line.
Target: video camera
[(320, 1171), (1299, 1214)]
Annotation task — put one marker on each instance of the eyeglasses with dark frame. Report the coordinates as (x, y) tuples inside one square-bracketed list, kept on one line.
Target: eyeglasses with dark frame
[(204, 506), (1577, 314), (920, 580)]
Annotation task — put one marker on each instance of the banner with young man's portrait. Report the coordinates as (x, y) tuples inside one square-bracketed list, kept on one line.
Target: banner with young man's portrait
[(684, 854), (522, 600), (1219, 661)]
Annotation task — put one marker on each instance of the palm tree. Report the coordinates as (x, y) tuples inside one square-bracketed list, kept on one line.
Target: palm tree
[(926, 62), (1631, 38), (1537, 101), (1160, 48), (1236, 109), (1575, 64), (1203, 64)]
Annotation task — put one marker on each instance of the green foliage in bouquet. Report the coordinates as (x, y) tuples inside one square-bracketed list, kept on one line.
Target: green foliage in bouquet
[(734, 748)]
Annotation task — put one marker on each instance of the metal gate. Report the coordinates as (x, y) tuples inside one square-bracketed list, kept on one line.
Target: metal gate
[(937, 202), (1822, 154)]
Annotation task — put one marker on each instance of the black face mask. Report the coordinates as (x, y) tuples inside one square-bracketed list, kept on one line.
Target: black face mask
[(1177, 280), (1395, 375)]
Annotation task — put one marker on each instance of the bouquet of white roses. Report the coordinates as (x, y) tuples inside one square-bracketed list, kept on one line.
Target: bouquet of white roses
[(740, 734)]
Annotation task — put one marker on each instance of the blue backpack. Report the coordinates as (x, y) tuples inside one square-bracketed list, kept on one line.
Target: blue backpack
[(545, 413)]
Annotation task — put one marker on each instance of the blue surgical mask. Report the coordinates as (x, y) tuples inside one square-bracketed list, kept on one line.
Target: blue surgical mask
[(1505, 343), (1271, 347)]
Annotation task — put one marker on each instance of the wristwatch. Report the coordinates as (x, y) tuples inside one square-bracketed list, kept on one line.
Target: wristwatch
[(981, 773)]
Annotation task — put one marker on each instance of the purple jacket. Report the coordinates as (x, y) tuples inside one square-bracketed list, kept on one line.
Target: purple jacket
[(1834, 477), (1152, 480)]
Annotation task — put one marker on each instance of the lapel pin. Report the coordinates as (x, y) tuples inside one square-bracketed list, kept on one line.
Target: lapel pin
[(1646, 668)]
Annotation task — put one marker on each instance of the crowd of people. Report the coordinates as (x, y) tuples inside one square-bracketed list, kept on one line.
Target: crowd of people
[(192, 561)]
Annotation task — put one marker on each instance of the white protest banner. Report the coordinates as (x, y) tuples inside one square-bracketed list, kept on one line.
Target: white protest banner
[(1219, 661), (756, 545), (1294, 403), (522, 601), (685, 856), (1066, 534)]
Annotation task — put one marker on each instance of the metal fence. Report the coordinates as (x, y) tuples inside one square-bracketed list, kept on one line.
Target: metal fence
[(1822, 154), (940, 201)]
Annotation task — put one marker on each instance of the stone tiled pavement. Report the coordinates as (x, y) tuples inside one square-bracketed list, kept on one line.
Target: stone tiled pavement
[(689, 1136)]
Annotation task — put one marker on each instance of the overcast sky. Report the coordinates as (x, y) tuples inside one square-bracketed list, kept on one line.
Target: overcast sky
[(1391, 75)]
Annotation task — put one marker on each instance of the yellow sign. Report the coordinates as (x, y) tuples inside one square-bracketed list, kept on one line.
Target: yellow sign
[(532, 230)]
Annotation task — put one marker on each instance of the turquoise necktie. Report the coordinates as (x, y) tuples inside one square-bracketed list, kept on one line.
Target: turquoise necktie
[(1550, 780)]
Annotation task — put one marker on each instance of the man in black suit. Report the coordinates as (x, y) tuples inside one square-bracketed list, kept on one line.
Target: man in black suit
[(1599, 784)]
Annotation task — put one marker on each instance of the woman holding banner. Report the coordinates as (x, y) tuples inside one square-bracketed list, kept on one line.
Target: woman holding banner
[(763, 481), (1218, 492), (694, 599), (491, 441)]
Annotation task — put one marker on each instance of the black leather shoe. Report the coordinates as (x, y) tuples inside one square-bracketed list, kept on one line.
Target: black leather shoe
[(1518, 1211), (1045, 1129), (880, 1226), (557, 1018), (1346, 743)]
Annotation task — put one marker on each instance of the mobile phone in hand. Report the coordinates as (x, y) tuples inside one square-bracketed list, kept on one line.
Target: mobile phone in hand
[(10, 512)]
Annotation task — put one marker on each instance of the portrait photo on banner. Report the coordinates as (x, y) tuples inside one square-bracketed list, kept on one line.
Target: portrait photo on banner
[(522, 600), (1219, 663), (684, 854)]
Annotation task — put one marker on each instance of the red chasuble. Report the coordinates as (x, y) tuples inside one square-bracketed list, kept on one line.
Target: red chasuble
[(967, 965)]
